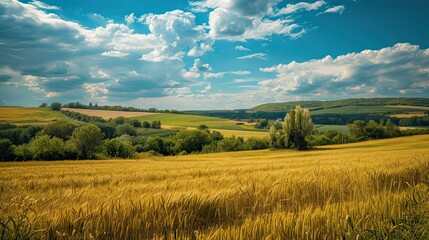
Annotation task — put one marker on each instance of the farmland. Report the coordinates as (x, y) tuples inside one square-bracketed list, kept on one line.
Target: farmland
[(108, 114), (369, 189), (21, 115)]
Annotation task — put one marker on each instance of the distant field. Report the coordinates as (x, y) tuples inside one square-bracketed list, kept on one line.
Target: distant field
[(351, 191), (108, 114), (359, 110), (340, 128), (21, 115), (193, 121)]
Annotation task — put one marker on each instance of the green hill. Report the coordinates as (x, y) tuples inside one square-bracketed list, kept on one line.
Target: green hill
[(316, 105)]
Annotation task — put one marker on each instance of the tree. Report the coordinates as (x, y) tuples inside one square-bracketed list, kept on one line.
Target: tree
[(391, 130), (59, 129), (135, 123), (156, 124), (56, 106), (358, 129), (86, 140), (118, 149), (43, 105), (46, 148), (6, 150), (146, 124), (296, 127), (192, 140), (374, 130), (126, 129)]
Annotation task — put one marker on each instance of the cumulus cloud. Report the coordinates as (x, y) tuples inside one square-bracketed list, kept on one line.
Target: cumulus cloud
[(301, 6), (254, 55), (391, 71), (53, 57), (176, 31)]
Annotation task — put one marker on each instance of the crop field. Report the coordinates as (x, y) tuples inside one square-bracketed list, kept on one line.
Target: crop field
[(21, 115), (340, 128), (193, 121), (108, 114), (375, 189)]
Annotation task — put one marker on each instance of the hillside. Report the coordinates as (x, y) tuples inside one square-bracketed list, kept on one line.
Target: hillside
[(331, 192), (314, 105)]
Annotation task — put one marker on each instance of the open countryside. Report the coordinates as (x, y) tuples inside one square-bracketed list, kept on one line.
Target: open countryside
[(340, 191), (214, 119)]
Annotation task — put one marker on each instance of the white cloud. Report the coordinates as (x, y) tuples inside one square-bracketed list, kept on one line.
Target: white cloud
[(389, 71), (129, 19), (43, 5), (175, 31), (255, 55), (114, 54), (337, 9), (241, 48), (291, 8), (227, 24), (207, 89)]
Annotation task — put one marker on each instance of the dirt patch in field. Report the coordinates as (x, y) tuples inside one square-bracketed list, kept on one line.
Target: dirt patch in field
[(108, 114)]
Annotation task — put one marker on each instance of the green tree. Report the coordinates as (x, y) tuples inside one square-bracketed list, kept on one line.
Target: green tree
[(374, 130), (43, 105), (391, 130), (146, 124), (358, 129), (46, 148), (6, 150), (126, 129), (118, 149), (296, 127), (56, 106), (192, 140), (156, 125), (59, 129), (86, 140)]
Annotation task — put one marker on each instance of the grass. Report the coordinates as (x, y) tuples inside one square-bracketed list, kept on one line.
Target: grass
[(340, 128), (373, 189), (21, 115), (193, 121)]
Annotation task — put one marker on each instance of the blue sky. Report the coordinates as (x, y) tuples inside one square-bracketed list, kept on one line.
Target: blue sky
[(211, 54)]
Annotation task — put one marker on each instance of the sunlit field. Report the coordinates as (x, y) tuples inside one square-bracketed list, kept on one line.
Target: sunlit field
[(108, 114), (22, 115), (374, 189)]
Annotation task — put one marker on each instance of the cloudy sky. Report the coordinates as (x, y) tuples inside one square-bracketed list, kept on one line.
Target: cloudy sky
[(211, 54)]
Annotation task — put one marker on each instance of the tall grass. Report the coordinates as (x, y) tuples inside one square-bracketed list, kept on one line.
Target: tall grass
[(366, 190)]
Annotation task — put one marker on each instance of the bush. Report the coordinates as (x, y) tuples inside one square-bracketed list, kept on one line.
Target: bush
[(56, 106), (118, 149), (125, 129), (255, 143)]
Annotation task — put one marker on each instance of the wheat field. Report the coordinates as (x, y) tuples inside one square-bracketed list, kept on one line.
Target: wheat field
[(370, 190)]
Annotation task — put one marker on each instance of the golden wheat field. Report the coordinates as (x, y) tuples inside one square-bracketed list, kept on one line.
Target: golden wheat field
[(370, 190)]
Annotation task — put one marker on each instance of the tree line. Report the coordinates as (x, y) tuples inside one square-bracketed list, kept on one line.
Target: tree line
[(122, 138)]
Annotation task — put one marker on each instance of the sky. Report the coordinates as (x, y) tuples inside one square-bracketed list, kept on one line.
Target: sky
[(211, 54)]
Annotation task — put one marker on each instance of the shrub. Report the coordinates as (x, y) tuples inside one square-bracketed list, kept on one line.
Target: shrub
[(118, 149)]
